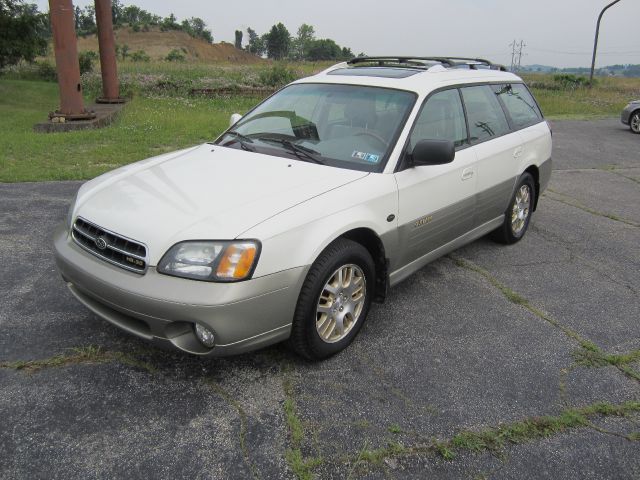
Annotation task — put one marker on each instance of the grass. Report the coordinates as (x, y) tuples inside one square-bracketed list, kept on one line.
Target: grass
[(495, 439), (146, 127), (607, 98), (590, 355), (89, 354), (161, 117), (301, 467)]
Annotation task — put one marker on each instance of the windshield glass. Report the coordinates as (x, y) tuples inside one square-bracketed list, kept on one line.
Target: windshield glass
[(346, 126)]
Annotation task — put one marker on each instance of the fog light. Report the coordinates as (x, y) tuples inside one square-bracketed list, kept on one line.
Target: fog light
[(205, 336)]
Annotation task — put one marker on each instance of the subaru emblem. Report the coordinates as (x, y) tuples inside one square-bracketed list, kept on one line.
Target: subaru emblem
[(101, 243)]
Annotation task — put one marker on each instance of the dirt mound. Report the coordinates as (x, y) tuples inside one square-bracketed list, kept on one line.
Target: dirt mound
[(157, 44)]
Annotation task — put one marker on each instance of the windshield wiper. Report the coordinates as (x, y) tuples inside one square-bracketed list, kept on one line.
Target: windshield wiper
[(242, 139), (303, 153)]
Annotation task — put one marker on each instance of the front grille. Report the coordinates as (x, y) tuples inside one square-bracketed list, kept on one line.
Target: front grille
[(110, 247)]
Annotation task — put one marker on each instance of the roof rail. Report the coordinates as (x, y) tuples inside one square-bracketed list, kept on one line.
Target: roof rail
[(423, 62)]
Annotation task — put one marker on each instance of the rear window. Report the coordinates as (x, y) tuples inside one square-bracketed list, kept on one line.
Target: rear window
[(520, 104), (485, 115)]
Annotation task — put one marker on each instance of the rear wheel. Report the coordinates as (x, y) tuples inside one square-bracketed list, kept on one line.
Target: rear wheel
[(518, 214), (334, 300), (634, 122)]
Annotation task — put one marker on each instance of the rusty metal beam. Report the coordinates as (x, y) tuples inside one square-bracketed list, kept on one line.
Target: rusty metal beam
[(67, 66), (107, 45)]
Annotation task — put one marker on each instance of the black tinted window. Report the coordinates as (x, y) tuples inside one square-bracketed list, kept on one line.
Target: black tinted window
[(441, 118), (520, 104), (486, 117)]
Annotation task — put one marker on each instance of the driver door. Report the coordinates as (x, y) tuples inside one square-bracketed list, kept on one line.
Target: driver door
[(436, 202)]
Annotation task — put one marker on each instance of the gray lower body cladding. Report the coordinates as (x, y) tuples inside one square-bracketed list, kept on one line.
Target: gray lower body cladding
[(163, 309), (455, 226)]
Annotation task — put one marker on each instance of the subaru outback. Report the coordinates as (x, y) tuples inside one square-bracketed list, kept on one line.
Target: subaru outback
[(309, 207)]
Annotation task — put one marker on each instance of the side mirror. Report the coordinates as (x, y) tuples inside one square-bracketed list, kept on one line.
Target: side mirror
[(235, 118), (433, 152)]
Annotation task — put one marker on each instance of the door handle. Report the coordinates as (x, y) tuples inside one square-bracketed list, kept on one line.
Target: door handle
[(517, 152), (467, 173)]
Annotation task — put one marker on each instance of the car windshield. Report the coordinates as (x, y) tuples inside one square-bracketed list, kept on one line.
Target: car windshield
[(347, 126)]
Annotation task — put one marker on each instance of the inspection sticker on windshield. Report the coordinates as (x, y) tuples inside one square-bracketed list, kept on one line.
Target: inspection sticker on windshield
[(367, 157)]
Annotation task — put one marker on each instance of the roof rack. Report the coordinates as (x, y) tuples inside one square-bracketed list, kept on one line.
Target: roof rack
[(423, 62)]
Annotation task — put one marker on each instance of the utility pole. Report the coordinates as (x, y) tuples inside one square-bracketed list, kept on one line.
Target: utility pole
[(595, 42), (516, 55), (522, 45)]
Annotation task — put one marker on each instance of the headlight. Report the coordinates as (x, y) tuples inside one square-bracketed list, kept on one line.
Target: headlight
[(212, 261)]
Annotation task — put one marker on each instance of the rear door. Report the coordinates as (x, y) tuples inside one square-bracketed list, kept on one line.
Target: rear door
[(497, 149), (436, 202), (526, 118)]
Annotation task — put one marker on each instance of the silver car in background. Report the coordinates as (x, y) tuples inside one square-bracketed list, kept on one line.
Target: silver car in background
[(631, 116)]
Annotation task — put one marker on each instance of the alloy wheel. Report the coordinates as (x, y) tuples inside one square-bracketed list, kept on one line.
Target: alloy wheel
[(341, 302), (520, 210)]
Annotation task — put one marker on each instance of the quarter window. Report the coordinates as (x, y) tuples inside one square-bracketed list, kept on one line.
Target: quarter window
[(520, 104), (441, 118), (486, 117)]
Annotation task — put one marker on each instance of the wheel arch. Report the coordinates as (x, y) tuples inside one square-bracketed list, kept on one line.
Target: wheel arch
[(634, 112), (373, 243), (535, 173)]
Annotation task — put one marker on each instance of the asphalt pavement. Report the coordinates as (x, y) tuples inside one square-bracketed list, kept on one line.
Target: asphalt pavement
[(534, 348)]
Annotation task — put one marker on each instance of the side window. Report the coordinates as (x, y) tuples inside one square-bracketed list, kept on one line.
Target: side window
[(520, 104), (485, 115), (441, 118)]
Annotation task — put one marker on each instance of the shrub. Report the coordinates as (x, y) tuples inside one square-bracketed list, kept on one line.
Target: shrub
[(174, 56), (277, 76), (140, 56), (86, 60), (46, 71), (570, 81)]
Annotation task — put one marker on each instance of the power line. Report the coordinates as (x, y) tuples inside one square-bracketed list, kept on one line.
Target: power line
[(563, 52), (516, 54)]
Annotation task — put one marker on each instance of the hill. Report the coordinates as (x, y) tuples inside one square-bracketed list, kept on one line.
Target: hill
[(157, 44)]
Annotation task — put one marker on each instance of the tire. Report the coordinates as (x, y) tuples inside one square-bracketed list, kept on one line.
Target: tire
[(326, 302), (634, 121), (518, 213)]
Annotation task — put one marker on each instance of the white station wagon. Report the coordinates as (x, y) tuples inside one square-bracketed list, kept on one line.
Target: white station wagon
[(309, 207)]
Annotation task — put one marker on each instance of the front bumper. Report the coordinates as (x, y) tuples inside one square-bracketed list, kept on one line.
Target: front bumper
[(162, 309)]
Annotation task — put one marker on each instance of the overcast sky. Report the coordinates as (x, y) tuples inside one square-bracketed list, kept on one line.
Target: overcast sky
[(555, 32)]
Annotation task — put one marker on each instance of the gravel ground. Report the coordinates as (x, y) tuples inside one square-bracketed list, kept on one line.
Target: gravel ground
[(483, 338)]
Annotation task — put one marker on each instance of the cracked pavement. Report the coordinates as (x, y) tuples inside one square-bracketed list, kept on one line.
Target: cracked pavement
[(473, 341)]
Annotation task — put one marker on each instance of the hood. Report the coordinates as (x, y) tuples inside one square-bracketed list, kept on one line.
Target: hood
[(207, 192)]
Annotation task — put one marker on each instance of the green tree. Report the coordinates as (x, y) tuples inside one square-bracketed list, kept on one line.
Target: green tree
[(197, 28), (22, 32), (131, 15), (116, 12), (169, 23), (86, 20), (323, 49), (256, 43), (239, 39), (300, 44), (278, 42), (347, 54)]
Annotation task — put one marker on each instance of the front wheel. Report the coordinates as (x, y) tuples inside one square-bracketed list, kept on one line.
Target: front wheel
[(518, 214), (334, 300), (634, 122)]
